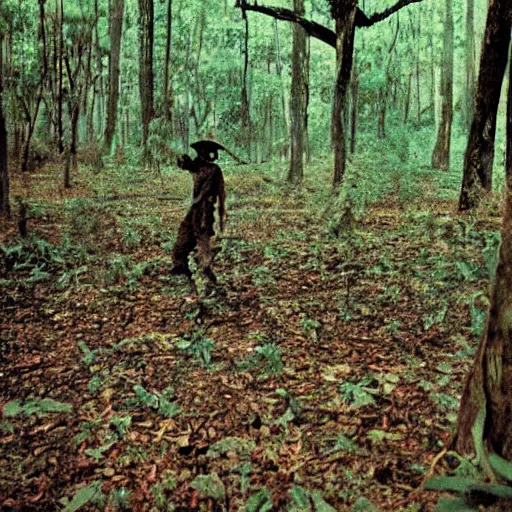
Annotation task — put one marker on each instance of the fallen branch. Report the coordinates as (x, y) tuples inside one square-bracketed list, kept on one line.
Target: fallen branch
[(235, 157)]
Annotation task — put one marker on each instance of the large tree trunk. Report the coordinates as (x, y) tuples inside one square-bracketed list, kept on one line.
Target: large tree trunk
[(146, 77), (60, 120), (345, 14), (284, 117), (5, 207), (116, 30), (298, 99), (479, 157), (167, 91), (469, 100), (441, 153), (508, 157), (245, 110), (485, 416)]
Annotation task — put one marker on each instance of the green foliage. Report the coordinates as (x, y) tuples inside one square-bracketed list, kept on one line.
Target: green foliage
[(89, 494), (98, 453), (37, 260), (157, 401), (119, 499), (363, 505), (302, 499), (199, 347), (266, 358), (502, 467), (209, 486), (473, 492), (260, 501), (38, 406), (230, 446), (478, 313), (161, 490), (122, 269), (121, 424), (358, 394), (344, 444)]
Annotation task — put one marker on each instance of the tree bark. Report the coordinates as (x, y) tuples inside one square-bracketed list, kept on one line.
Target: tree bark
[(280, 75), (60, 17), (298, 99), (167, 92), (245, 109), (345, 14), (508, 156), (318, 31), (470, 64), (146, 77), (485, 415), (479, 157), (354, 109), (441, 153), (5, 206), (116, 31)]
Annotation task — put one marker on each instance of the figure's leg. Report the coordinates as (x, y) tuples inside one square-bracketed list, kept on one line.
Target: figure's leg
[(185, 243), (205, 257)]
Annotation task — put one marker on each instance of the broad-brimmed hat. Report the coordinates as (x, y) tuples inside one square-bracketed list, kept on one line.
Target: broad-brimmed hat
[(207, 146)]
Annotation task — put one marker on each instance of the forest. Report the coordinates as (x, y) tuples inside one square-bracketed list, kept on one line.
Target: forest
[(255, 255)]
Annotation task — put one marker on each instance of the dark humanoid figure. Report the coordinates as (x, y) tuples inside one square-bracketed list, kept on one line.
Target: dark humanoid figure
[(196, 229)]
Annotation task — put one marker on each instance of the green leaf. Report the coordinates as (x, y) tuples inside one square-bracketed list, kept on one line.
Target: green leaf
[(449, 483), (35, 406), (209, 486), (364, 505), (260, 501), (49, 405), (97, 453), (84, 496), (378, 436), (11, 409), (230, 445), (344, 444), (501, 466), (300, 497), (320, 504)]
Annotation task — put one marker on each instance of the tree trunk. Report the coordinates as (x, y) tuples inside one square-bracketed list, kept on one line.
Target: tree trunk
[(99, 65), (146, 78), (298, 99), (508, 157), (307, 65), (116, 31), (167, 92), (355, 110), (407, 105), (344, 13), (469, 100), (5, 207), (485, 415), (245, 111), (60, 79), (418, 74), (279, 72), (478, 161), (441, 153)]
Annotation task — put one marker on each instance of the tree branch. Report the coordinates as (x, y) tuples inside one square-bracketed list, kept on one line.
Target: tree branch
[(364, 21), (312, 28), (316, 30)]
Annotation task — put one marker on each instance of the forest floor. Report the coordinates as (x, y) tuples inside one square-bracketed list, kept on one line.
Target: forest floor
[(325, 376)]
